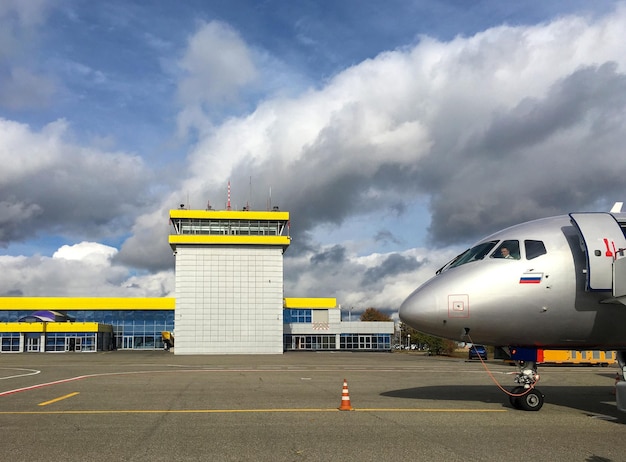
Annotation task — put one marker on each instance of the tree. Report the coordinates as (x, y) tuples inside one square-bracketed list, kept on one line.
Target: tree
[(372, 314), (434, 345)]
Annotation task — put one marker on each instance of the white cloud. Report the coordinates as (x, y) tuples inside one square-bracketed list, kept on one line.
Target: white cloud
[(91, 252), (478, 124), (69, 189), (511, 123), (217, 64), (81, 270)]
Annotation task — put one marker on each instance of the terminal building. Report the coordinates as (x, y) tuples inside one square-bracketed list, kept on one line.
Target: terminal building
[(229, 300)]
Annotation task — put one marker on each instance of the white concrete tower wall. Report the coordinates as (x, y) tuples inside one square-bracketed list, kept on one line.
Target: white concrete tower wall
[(229, 300)]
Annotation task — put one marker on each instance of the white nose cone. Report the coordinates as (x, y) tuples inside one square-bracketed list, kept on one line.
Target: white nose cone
[(421, 311)]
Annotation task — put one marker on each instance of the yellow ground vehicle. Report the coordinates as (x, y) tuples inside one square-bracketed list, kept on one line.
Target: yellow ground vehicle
[(168, 339), (584, 357)]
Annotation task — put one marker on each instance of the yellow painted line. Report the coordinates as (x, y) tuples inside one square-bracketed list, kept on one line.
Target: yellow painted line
[(238, 411), (431, 410), (60, 398)]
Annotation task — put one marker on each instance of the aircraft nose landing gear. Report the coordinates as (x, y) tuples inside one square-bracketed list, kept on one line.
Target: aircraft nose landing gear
[(526, 399), (525, 396)]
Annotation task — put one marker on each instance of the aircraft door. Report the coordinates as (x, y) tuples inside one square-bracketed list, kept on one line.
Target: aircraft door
[(603, 239), (619, 277)]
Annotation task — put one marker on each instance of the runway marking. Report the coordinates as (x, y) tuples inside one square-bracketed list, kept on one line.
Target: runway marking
[(30, 372), (603, 417), (60, 398), (247, 411), (41, 385), (178, 371)]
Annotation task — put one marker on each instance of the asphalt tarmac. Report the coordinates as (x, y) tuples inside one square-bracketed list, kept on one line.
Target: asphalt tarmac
[(156, 406)]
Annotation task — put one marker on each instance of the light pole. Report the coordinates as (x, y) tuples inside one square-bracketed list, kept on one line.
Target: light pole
[(408, 341)]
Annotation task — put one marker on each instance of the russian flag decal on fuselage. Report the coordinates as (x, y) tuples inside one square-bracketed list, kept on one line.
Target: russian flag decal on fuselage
[(531, 278)]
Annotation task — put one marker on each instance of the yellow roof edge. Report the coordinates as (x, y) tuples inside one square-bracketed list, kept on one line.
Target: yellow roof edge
[(128, 303), (230, 214), (86, 303), (54, 327), (310, 303)]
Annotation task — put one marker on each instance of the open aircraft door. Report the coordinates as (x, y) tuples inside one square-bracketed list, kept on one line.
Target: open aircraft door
[(604, 243)]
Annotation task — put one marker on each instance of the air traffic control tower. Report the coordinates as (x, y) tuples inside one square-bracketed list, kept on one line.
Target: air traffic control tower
[(229, 280)]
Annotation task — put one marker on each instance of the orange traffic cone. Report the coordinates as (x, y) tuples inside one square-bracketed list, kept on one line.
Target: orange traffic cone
[(345, 398)]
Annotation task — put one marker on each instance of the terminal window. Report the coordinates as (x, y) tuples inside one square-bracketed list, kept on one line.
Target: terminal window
[(292, 316), (10, 341)]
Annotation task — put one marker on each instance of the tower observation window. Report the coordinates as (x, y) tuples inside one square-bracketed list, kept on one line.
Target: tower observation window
[(229, 227)]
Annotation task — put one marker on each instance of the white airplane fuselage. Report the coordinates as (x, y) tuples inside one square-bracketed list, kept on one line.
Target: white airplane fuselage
[(540, 300)]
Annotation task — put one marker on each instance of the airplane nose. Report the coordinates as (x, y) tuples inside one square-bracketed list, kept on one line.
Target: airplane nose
[(422, 311)]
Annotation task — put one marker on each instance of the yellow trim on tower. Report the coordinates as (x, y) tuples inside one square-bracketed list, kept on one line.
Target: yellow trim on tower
[(228, 239), (228, 215)]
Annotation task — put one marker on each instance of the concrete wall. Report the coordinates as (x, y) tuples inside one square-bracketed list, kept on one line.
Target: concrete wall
[(229, 300)]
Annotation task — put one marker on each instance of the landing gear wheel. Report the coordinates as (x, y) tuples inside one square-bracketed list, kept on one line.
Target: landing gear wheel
[(531, 401), (515, 400)]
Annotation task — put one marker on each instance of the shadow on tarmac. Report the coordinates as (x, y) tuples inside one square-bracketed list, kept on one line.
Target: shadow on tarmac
[(589, 400)]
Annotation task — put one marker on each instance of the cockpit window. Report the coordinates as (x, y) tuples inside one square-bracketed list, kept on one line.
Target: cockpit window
[(508, 250), (534, 249), (475, 253), (451, 262)]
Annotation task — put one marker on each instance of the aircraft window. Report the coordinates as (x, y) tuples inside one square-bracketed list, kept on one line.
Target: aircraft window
[(451, 262), (508, 250), (534, 249), (475, 253)]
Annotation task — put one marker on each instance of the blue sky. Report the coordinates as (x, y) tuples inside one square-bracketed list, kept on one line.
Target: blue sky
[(395, 133)]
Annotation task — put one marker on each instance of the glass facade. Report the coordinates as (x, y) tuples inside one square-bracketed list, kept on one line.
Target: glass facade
[(13, 315), (310, 342), (72, 341), (132, 329), (365, 342), (10, 341), (141, 330), (293, 316)]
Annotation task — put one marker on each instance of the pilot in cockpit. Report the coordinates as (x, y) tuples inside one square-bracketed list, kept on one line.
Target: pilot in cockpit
[(505, 253), (508, 250)]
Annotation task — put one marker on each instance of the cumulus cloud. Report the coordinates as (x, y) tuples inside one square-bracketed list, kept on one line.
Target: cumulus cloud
[(506, 120), (48, 184), (492, 129), (85, 269), (91, 252), (509, 124), (375, 280), (216, 64)]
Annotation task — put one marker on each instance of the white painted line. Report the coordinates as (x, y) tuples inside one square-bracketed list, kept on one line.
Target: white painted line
[(30, 372)]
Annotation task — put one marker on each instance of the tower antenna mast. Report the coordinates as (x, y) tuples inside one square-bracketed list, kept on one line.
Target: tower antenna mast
[(228, 203)]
